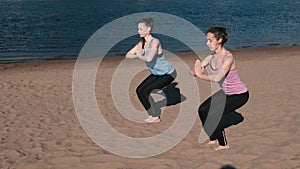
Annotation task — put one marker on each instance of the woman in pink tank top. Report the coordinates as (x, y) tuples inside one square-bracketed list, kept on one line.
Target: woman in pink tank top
[(233, 94)]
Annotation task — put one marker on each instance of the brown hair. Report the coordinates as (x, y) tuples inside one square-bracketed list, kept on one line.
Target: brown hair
[(148, 22), (220, 33)]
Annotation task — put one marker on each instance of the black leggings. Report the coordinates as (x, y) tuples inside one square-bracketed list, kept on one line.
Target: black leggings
[(148, 85), (220, 103)]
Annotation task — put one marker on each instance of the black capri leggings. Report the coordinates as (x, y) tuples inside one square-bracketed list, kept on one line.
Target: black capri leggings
[(221, 103), (148, 85)]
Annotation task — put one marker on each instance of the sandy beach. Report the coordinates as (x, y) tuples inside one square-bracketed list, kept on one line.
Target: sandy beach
[(39, 128)]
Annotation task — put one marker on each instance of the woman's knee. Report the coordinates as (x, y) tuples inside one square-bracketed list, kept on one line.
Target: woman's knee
[(138, 90), (202, 112), (143, 91), (202, 108)]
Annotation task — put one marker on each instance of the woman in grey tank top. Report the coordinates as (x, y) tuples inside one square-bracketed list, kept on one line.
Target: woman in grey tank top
[(162, 73)]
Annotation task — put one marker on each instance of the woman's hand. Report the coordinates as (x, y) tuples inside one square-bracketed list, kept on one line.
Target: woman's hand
[(198, 68), (140, 52), (135, 52)]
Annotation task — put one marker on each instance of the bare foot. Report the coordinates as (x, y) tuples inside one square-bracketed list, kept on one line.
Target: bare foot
[(148, 119), (212, 142), (154, 120), (192, 73), (222, 148)]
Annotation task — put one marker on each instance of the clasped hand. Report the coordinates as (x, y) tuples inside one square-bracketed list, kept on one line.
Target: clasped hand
[(140, 52), (198, 68)]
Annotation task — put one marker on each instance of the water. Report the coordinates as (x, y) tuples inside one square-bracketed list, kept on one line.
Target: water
[(47, 29)]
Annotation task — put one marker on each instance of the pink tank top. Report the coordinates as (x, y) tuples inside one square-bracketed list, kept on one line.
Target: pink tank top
[(231, 84)]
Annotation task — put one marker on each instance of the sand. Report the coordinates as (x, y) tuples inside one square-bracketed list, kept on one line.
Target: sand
[(39, 127)]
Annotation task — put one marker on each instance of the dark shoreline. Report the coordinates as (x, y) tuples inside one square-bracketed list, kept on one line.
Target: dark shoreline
[(74, 57)]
